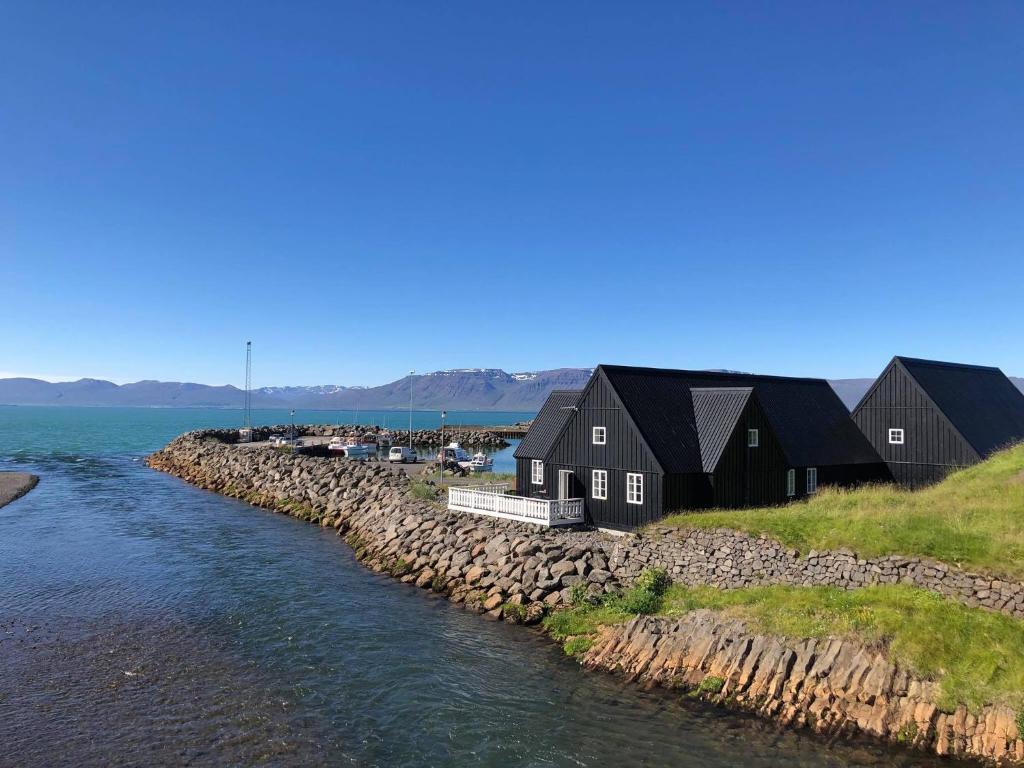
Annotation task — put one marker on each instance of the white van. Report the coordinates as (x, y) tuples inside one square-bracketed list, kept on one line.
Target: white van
[(402, 454)]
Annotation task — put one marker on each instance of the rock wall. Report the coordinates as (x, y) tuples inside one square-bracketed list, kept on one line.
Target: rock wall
[(833, 685), (493, 565), (728, 559)]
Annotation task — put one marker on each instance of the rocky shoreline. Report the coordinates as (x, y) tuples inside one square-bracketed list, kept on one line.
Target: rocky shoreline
[(834, 686), (517, 572)]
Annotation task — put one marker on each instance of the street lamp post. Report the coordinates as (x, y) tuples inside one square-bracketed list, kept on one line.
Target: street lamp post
[(411, 373), (440, 464), (293, 424)]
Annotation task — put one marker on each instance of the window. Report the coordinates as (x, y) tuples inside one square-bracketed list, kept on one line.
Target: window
[(812, 479), (753, 438), (791, 482), (634, 488), (537, 472), (600, 435), (895, 437), (599, 484)]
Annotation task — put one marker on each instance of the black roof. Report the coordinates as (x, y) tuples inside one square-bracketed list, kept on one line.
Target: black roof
[(716, 411), (548, 424), (811, 423), (981, 402)]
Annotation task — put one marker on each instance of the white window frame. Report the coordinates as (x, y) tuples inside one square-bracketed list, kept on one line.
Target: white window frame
[(599, 431), (896, 435), (791, 482), (753, 438), (599, 484), (634, 488), (537, 472), (812, 479)]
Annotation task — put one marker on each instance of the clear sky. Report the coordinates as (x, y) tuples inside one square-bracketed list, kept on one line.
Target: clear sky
[(365, 188)]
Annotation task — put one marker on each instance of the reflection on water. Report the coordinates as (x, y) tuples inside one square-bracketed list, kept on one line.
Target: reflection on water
[(145, 622)]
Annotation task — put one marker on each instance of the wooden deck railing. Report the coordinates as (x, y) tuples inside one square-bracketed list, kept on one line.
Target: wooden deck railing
[(494, 501)]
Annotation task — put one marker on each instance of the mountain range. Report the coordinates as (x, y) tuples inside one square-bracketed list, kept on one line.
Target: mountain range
[(485, 389)]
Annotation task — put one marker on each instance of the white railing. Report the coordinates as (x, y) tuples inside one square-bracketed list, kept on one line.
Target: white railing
[(492, 500)]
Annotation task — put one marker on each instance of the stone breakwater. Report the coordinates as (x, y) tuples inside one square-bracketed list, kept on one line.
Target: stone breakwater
[(729, 559), (501, 567), (14, 485), (518, 572), (477, 438), (831, 685)]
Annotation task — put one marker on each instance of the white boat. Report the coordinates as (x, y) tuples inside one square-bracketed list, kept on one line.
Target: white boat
[(454, 452), (348, 447), (481, 463)]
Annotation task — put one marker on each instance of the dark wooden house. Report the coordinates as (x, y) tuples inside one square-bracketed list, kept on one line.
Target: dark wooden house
[(926, 418), (639, 443)]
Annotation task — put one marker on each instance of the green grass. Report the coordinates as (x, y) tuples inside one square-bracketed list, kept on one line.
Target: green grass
[(422, 490), (975, 518)]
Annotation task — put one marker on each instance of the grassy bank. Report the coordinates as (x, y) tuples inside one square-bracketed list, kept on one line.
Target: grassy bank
[(975, 518), (976, 656)]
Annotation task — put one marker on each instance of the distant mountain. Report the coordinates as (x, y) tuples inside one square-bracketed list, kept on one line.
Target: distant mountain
[(850, 391), (484, 389), (460, 389)]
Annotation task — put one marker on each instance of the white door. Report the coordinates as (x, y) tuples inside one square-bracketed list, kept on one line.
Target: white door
[(564, 483)]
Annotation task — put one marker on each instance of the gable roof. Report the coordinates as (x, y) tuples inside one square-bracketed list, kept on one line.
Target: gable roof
[(716, 411), (811, 423), (548, 424), (981, 402)]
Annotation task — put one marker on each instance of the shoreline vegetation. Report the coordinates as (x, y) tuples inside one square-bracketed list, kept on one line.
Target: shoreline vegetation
[(900, 662)]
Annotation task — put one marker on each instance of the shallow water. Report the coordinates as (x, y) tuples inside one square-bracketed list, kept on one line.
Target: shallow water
[(143, 621)]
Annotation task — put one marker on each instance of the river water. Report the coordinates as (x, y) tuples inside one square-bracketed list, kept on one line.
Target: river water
[(146, 622)]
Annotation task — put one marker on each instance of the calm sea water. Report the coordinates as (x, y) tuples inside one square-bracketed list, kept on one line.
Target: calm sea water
[(145, 622)]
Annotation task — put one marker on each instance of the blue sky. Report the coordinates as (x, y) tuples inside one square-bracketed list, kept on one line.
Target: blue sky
[(366, 188)]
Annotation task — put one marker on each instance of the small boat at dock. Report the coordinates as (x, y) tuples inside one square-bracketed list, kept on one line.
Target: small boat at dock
[(481, 463), (454, 452), (349, 448)]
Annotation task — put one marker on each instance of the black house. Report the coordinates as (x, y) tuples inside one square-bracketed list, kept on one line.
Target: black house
[(639, 443), (926, 418)]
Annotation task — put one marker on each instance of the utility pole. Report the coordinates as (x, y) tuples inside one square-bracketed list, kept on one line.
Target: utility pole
[(440, 464), (411, 374), (245, 434)]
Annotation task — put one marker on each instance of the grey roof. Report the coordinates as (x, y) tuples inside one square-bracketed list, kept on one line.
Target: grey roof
[(811, 423), (548, 424), (716, 411), (981, 402)]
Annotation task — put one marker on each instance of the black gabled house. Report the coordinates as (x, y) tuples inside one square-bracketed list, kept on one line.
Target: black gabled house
[(639, 443), (926, 418)]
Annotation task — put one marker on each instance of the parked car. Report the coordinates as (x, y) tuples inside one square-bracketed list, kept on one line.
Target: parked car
[(402, 454)]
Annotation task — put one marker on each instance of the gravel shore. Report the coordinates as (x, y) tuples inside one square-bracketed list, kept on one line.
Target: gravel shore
[(14, 485)]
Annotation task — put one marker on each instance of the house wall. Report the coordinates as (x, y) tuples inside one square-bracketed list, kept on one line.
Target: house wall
[(745, 476), (931, 448)]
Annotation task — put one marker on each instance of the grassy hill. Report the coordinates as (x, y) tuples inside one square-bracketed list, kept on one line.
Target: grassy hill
[(974, 518)]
